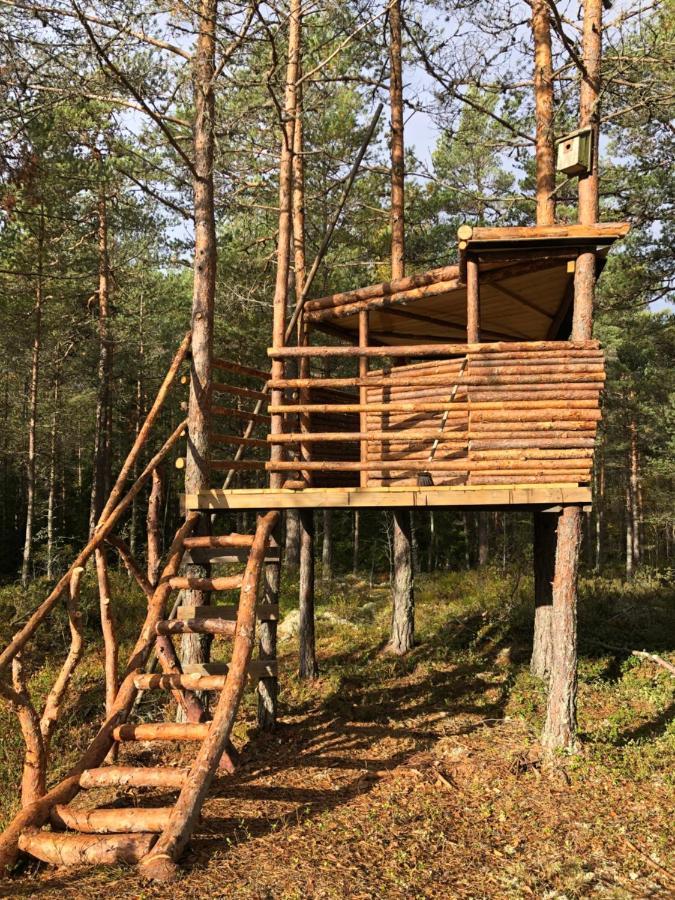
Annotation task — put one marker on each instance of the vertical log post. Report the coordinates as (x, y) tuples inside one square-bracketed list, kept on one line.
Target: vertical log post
[(544, 524), (473, 337)]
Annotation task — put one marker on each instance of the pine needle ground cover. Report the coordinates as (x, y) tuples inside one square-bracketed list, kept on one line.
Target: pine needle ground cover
[(422, 776)]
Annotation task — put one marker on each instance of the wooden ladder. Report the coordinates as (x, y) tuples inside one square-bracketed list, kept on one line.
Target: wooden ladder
[(155, 837)]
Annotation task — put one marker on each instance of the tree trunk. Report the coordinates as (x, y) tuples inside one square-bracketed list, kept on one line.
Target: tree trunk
[(101, 461), (561, 713), (195, 648), (483, 539), (545, 525), (154, 526), (51, 500), (292, 543), (327, 547), (268, 687), (308, 667), (634, 488), (560, 728), (599, 503), (355, 545), (139, 410), (402, 621), (403, 613), (33, 412)]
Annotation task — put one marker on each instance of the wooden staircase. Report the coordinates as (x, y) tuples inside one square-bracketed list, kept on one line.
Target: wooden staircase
[(155, 837)]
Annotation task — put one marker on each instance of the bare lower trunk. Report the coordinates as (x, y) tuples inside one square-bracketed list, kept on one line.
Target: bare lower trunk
[(268, 688), (308, 666), (634, 489), (154, 526), (483, 528), (403, 613), (327, 547), (544, 526), (355, 545), (561, 712), (292, 543)]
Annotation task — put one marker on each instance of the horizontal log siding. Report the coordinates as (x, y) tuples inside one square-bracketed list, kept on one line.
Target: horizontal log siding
[(515, 440)]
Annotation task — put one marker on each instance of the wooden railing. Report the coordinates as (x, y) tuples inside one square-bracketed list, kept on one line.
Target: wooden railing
[(485, 414)]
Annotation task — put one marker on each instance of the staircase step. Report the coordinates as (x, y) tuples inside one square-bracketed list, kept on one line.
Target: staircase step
[(203, 677), (201, 625), (161, 731), (215, 556), (131, 776), (224, 583), (265, 612), (63, 849), (192, 682), (132, 820), (257, 668), (218, 542)]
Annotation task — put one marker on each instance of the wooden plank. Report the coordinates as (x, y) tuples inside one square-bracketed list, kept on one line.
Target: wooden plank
[(505, 495), (236, 440), (266, 612), (601, 232)]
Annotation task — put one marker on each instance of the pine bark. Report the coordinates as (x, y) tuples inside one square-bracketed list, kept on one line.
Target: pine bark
[(51, 499), (154, 526), (195, 648), (560, 727), (327, 547), (101, 461), (402, 637), (33, 411), (308, 666), (544, 525)]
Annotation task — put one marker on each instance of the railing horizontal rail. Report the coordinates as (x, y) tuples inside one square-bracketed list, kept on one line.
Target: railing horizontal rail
[(220, 388), (237, 440), (238, 413), (413, 350), (227, 366)]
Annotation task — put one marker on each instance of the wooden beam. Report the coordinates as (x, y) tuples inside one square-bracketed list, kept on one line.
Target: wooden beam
[(601, 232), (417, 350)]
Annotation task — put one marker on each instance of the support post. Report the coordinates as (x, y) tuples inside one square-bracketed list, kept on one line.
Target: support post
[(308, 666)]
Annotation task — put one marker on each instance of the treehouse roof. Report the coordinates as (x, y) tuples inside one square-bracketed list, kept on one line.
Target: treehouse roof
[(526, 289)]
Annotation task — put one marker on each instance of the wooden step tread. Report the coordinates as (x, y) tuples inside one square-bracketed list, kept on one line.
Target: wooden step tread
[(199, 677), (265, 612), (132, 820), (257, 668), (223, 583), (132, 776), (200, 625), (218, 542), (161, 731), (68, 849)]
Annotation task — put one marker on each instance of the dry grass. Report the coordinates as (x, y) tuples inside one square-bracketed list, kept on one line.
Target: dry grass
[(422, 777)]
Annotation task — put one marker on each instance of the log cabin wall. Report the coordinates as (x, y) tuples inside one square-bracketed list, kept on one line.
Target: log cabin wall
[(516, 417)]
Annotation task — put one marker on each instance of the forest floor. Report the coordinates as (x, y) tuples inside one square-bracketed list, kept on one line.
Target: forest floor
[(422, 777)]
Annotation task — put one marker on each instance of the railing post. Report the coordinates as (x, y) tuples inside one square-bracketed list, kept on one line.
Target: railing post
[(472, 301)]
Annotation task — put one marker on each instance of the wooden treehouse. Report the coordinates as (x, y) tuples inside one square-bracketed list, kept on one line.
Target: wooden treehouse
[(457, 387)]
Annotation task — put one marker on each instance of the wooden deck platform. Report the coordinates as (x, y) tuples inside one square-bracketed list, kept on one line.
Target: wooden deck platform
[(549, 497)]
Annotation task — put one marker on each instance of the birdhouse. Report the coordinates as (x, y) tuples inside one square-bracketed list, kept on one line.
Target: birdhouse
[(575, 151)]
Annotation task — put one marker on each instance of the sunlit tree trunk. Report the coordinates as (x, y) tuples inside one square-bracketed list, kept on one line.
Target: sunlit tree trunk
[(51, 500), (195, 647), (560, 726), (33, 408), (402, 637)]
